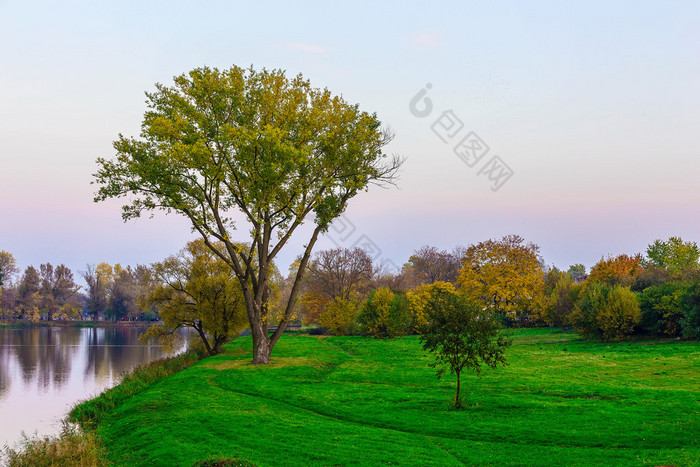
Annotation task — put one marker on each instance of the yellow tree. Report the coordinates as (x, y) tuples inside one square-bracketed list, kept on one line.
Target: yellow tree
[(198, 290), (418, 299), (617, 270), (505, 276)]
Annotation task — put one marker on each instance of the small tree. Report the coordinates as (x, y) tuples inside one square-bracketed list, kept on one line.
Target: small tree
[(462, 335), (199, 291)]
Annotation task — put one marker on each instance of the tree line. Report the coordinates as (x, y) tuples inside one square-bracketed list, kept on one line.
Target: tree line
[(50, 292), (653, 294), (345, 293)]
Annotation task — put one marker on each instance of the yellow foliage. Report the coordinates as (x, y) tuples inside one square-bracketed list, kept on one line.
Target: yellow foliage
[(315, 304), (505, 276), (380, 303), (339, 316), (105, 272), (68, 311), (418, 299)]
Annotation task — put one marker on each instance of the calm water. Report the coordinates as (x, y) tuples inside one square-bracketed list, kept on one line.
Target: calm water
[(45, 371)]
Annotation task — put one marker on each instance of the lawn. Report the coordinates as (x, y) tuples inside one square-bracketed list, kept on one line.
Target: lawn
[(357, 401)]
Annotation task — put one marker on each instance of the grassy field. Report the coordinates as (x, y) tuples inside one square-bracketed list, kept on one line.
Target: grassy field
[(357, 401)]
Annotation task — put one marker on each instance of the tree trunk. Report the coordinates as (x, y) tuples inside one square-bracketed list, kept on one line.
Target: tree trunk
[(458, 404), (261, 351)]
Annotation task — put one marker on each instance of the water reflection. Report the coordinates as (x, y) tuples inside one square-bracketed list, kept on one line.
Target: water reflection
[(45, 371)]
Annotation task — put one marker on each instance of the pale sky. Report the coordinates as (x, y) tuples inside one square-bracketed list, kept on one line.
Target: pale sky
[(594, 106)]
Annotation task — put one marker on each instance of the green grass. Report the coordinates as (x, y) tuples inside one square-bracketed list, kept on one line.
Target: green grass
[(357, 401)]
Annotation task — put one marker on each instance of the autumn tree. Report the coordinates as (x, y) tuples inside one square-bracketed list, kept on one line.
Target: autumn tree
[(462, 335), (561, 293), (274, 150), (505, 276), (58, 291), (340, 316), (609, 312), (616, 270), (336, 274), (418, 298), (674, 255), (200, 291), (96, 299), (385, 314), (28, 297), (430, 264), (123, 295), (8, 268)]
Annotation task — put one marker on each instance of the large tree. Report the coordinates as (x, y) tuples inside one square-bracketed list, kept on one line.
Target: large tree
[(618, 270), (336, 274), (8, 268), (251, 143), (674, 255), (57, 289), (430, 265), (96, 297), (505, 276)]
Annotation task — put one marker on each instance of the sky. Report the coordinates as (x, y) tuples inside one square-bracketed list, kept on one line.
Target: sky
[(571, 124)]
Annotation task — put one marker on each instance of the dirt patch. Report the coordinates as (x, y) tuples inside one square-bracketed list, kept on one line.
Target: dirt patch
[(275, 362)]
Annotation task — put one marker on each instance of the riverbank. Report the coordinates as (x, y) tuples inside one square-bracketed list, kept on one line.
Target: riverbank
[(78, 443), (18, 323), (357, 401)]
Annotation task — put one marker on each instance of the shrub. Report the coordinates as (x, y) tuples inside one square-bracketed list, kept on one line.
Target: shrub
[(385, 314), (660, 307), (561, 301), (609, 312), (690, 306), (340, 317)]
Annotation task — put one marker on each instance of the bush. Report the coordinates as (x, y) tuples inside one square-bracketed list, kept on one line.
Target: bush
[(690, 306), (340, 317), (385, 314), (609, 312), (561, 301), (660, 307)]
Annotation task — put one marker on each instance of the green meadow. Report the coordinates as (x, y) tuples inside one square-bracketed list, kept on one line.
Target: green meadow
[(357, 401)]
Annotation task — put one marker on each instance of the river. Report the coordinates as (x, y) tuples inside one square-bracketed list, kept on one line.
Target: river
[(44, 371)]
